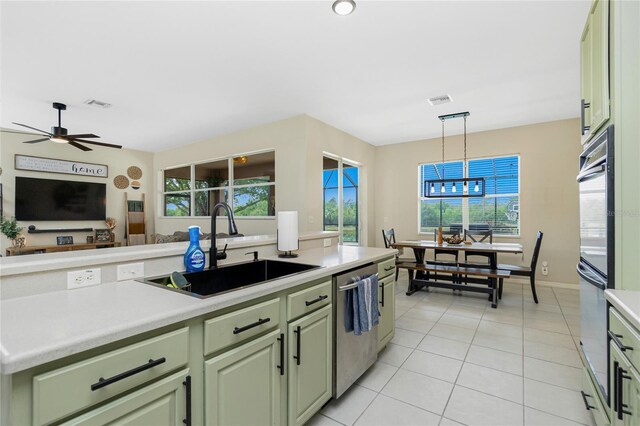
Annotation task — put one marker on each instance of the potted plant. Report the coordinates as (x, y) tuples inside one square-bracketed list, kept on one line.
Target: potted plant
[(10, 228)]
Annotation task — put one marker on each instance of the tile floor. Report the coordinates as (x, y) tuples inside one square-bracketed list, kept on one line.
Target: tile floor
[(454, 360)]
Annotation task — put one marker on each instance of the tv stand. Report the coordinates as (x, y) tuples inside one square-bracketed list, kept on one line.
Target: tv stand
[(13, 251)]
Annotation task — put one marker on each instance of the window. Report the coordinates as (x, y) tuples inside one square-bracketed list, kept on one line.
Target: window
[(341, 216), (499, 210), (245, 182)]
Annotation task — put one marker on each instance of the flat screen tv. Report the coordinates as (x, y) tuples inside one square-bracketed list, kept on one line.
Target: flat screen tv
[(48, 199)]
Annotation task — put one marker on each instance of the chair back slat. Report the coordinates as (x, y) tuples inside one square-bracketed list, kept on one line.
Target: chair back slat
[(479, 236), (389, 237), (536, 251)]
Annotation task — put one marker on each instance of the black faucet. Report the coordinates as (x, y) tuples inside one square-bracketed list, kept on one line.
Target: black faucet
[(214, 256)]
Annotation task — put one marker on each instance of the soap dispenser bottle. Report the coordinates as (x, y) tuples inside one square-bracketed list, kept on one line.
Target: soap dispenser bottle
[(194, 259)]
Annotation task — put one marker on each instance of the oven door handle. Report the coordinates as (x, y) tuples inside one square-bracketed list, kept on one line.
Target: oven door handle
[(591, 279), (591, 173)]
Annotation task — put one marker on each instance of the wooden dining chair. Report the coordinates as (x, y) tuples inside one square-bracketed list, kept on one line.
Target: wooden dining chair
[(478, 237), (526, 271), (389, 238)]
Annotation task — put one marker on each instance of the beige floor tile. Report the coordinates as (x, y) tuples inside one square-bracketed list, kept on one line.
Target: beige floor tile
[(557, 354), (501, 343), (419, 390), (552, 373), (437, 307), (453, 333), (394, 354), (549, 338), (476, 408), (423, 315), (459, 321), (574, 329), (441, 346), (437, 366), (556, 326), (500, 315), (350, 406), (539, 418), (320, 420), (412, 324), (377, 376), (448, 422), (385, 411), (400, 311), (407, 338), (500, 329), (490, 381), (555, 400), (544, 315), (468, 311), (493, 358)]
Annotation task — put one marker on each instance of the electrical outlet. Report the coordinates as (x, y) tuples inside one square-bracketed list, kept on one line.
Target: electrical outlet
[(84, 278), (327, 242), (130, 271)]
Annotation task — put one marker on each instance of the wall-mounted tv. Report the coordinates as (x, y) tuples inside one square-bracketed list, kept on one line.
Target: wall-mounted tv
[(49, 199)]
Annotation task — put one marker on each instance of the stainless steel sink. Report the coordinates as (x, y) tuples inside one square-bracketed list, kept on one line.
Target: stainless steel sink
[(222, 279)]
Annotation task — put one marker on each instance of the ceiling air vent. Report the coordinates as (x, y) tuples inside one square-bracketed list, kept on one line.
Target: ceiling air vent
[(97, 103), (439, 100)]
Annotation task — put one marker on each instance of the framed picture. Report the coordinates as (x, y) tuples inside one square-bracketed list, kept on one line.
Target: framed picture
[(103, 235), (63, 241)]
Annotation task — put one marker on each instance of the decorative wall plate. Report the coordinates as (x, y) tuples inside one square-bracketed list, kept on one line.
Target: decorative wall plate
[(121, 181), (134, 172)]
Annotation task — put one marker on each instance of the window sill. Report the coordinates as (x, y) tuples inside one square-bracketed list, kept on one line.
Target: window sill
[(236, 218)]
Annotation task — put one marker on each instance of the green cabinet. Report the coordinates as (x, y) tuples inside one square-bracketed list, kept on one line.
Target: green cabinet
[(243, 385), (310, 364), (594, 69), (633, 399), (165, 402), (387, 308)]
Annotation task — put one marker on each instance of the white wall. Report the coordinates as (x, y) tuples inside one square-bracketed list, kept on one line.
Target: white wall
[(118, 162), (548, 188)]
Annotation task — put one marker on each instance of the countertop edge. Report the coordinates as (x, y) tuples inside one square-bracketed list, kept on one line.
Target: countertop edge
[(617, 299)]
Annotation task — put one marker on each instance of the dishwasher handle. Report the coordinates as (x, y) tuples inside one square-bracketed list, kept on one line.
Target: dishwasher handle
[(354, 284)]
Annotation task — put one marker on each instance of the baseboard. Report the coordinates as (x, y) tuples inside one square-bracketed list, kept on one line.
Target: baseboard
[(544, 283)]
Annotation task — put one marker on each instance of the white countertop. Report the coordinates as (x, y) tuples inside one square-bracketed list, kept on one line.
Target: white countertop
[(627, 302), (15, 265), (46, 327)]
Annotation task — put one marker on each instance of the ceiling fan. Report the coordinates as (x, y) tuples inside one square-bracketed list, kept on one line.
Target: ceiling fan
[(59, 134)]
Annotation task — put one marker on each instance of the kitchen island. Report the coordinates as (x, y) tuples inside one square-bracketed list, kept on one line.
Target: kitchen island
[(57, 338)]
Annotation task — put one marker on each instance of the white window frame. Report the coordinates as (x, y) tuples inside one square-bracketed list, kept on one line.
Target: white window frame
[(341, 162), (465, 200), (230, 187)]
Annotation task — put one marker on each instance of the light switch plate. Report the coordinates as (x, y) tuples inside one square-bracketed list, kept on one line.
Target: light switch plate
[(130, 271), (327, 242), (84, 278)]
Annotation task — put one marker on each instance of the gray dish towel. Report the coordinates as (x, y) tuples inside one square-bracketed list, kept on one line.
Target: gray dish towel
[(361, 306)]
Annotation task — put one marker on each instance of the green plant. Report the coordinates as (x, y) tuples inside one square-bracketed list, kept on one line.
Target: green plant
[(10, 228)]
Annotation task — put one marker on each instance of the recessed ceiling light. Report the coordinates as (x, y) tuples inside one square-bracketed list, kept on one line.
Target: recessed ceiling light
[(97, 103), (344, 7), (439, 100)]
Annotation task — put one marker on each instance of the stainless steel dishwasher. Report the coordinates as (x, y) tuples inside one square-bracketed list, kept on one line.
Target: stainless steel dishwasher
[(353, 355)]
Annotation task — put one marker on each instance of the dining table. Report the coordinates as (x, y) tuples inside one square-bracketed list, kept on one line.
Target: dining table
[(420, 247)]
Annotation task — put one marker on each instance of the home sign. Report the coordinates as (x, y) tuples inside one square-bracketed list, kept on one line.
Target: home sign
[(51, 165)]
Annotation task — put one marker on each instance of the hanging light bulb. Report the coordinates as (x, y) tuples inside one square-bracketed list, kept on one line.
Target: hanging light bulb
[(465, 187), (442, 188), (453, 188), (433, 188), (476, 188)]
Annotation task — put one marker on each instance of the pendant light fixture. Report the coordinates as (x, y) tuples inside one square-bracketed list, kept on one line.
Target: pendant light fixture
[(344, 7), (429, 185)]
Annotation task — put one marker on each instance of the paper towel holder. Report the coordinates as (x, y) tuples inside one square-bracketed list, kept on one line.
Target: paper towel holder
[(287, 234), (287, 253)]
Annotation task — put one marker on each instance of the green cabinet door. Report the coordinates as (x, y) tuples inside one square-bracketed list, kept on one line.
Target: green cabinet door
[(599, 22), (387, 308), (585, 78), (620, 384), (242, 386), (310, 364), (632, 399), (161, 403)]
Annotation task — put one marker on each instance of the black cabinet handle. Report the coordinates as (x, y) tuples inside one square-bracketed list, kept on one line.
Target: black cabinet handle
[(102, 382), (187, 383), (382, 298), (586, 403), (616, 394), (281, 366), (250, 326), (621, 406), (316, 300), (298, 332), (389, 268), (616, 339)]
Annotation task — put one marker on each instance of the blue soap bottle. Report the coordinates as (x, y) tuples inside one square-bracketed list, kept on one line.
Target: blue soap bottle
[(194, 259)]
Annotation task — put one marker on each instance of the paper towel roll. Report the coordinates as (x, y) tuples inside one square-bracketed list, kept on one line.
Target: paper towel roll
[(288, 231)]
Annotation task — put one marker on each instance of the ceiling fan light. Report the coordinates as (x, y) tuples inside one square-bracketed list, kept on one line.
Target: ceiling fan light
[(344, 7), (57, 139)]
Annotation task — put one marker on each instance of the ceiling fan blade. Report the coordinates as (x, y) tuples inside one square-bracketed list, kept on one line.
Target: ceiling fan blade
[(32, 128), (98, 143), (84, 135), (20, 133), (37, 140), (77, 145)]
